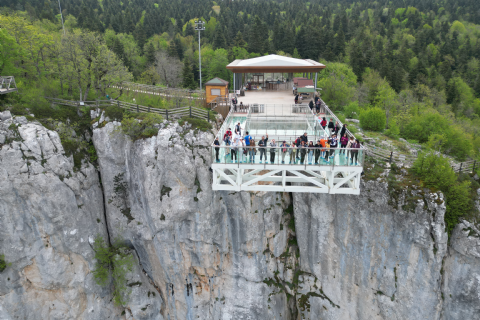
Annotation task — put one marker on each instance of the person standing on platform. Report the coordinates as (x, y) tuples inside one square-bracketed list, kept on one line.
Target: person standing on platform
[(217, 149), (318, 149), (261, 146), (252, 151), (327, 150), (304, 138), (337, 127), (234, 150), (344, 130), (310, 152), (242, 151), (323, 142), (284, 149), (228, 134), (273, 149), (296, 99), (317, 105), (311, 105), (331, 126), (349, 145), (355, 148), (293, 153), (333, 145), (234, 102), (323, 123), (343, 143), (227, 149), (238, 129), (303, 152), (247, 139)]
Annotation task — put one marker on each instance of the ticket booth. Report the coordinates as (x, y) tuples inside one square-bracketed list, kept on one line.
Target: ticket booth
[(216, 88)]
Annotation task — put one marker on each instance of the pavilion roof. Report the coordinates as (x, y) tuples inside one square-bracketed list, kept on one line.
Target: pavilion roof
[(274, 63)]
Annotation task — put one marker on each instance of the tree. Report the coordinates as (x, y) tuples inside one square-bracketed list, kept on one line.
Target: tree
[(238, 41), (172, 49), (219, 41), (338, 84), (150, 53), (169, 68), (188, 79), (257, 36), (373, 119), (9, 53)]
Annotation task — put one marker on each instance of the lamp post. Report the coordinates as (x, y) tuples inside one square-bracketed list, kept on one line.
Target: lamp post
[(200, 26)]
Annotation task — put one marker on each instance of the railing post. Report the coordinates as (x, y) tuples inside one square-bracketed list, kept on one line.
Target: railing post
[(118, 103), (208, 119), (148, 108), (460, 171), (137, 109), (391, 156), (190, 111), (474, 163), (166, 111)]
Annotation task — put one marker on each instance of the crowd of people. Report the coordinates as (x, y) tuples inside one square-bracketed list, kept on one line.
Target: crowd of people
[(243, 149)]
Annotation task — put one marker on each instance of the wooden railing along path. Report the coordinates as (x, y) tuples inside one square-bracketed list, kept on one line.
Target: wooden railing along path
[(177, 112)]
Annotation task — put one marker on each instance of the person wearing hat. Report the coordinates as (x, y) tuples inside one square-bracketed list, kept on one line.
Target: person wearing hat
[(217, 149)]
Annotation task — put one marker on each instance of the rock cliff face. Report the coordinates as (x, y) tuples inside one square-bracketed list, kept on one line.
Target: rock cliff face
[(215, 255)]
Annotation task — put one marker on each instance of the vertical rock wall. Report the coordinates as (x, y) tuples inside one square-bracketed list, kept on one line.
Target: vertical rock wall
[(215, 255)]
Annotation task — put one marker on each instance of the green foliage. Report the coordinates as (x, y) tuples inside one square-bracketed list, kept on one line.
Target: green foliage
[(338, 84), (113, 262), (352, 110), (3, 264), (373, 119), (114, 113), (393, 130), (140, 129), (435, 172), (200, 124), (18, 110)]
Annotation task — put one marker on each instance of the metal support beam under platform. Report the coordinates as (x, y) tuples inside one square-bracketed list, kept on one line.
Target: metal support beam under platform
[(287, 178)]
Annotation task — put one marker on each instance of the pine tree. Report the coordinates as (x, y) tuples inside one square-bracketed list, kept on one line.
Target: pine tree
[(238, 41), (150, 53), (179, 48), (339, 44), (140, 36), (256, 41), (476, 87), (172, 49), (187, 73), (219, 41)]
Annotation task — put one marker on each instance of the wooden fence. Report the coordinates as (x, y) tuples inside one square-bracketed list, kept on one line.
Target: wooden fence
[(167, 114), (393, 156)]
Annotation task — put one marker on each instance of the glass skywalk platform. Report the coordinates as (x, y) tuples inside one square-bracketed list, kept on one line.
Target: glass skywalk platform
[(288, 169)]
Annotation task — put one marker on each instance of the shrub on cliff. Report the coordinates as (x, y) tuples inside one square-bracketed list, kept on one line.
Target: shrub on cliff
[(112, 264), (114, 113), (373, 119), (435, 172), (200, 124), (3, 264), (140, 128)]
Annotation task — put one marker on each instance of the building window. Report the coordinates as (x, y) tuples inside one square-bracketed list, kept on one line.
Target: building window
[(215, 92)]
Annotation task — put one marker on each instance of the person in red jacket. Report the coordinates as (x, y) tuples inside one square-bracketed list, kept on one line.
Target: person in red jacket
[(229, 134), (323, 123)]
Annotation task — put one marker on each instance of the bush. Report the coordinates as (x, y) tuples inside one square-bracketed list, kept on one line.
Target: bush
[(114, 113), (393, 130), (112, 263), (200, 124), (373, 119), (139, 129), (352, 110), (435, 172), (18, 110)]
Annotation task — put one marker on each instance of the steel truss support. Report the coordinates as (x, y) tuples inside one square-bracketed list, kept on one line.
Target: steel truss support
[(318, 179)]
